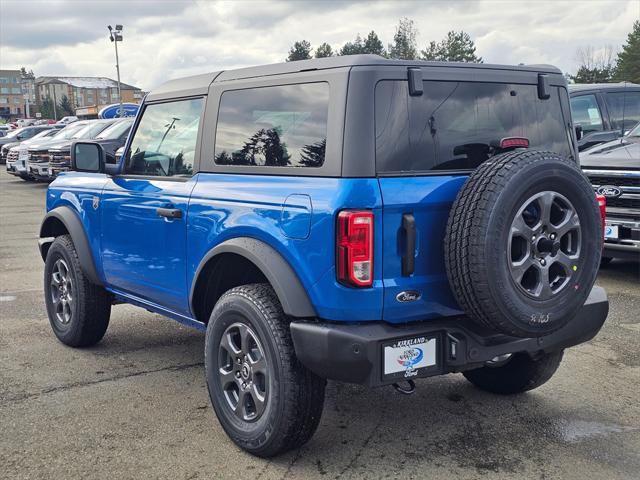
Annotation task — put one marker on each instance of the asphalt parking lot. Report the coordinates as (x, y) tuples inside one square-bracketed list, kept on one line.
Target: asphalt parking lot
[(136, 406)]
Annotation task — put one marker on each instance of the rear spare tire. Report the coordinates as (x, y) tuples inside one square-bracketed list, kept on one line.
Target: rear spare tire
[(523, 243)]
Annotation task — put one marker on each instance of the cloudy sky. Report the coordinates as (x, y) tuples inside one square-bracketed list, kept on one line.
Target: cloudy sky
[(167, 39)]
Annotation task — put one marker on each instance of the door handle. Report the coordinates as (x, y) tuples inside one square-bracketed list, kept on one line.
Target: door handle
[(169, 212), (409, 257)]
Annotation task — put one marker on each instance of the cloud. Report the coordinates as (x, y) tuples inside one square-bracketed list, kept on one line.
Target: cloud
[(165, 39)]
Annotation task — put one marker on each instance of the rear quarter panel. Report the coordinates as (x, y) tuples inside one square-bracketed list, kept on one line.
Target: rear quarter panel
[(225, 206)]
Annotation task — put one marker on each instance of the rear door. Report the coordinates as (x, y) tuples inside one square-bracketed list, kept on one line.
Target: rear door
[(144, 210), (426, 146)]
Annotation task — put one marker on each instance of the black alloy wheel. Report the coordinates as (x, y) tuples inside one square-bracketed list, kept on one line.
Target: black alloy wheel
[(544, 245), (243, 372)]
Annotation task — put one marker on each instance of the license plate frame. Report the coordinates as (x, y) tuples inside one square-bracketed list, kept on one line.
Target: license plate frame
[(416, 364)]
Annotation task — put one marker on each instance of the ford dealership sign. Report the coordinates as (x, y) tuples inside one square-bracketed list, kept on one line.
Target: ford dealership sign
[(111, 111)]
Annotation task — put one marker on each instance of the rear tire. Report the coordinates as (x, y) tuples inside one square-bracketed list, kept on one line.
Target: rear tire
[(78, 310), (604, 261), (520, 374), (265, 399)]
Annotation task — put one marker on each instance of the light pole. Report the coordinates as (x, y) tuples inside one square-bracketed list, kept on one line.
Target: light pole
[(115, 35)]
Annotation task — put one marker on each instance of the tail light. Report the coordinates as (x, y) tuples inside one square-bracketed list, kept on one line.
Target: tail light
[(602, 203), (355, 248), (514, 142)]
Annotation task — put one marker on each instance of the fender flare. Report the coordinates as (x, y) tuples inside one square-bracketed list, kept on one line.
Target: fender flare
[(74, 226), (288, 287)]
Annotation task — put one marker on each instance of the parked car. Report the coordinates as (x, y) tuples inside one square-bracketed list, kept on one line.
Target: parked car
[(26, 122), (21, 167), (114, 137), (614, 171), (4, 129), (58, 155), (17, 136), (67, 120), (604, 111), (13, 155), (351, 218)]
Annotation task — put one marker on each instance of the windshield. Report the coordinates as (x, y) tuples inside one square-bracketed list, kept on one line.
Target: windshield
[(115, 130), (635, 132), (15, 133), (68, 132), (91, 130), (44, 133)]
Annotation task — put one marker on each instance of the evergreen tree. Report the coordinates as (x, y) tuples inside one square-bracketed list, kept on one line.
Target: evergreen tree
[(65, 107), (455, 47), (628, 62), (353, 48), (592, 75), (46, 108), (373, 45), (312, 155), (404, 41), (263, 148), (324, 50), (300, 51)]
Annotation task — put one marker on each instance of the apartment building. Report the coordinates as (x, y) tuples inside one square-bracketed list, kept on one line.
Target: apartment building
[(12, 102), (85, 91)]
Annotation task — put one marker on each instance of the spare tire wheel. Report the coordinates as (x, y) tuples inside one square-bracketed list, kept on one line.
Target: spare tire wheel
[(523, 243)]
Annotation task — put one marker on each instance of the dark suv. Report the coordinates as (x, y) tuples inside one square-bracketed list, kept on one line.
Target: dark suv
[(353, 218), (604, 111)]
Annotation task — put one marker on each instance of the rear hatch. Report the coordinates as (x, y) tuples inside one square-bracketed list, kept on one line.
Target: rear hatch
[(426, 146)]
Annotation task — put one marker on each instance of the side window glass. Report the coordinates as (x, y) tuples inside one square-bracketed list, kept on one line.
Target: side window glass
[(623, 107), (586, 113), (164, 143), (281, 126)]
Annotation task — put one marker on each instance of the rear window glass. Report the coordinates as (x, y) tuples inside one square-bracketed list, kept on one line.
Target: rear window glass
[(456, 125), (281, 126)]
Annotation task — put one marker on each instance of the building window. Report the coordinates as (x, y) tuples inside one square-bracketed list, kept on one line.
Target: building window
[(4, 90)]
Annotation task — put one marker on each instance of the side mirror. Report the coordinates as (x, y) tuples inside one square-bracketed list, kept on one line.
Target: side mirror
[(87, 157), (578, 131)]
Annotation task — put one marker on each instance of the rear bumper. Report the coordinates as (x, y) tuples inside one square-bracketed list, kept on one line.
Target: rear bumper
[(353, 353)]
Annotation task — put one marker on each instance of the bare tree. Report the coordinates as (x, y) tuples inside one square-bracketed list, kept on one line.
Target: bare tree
[(596, 65)]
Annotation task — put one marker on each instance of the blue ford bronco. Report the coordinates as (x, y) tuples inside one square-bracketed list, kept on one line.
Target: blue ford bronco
[(355, 218)]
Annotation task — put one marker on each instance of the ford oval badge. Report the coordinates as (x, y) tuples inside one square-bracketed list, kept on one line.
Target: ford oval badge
[(408, 296), (609, 191)]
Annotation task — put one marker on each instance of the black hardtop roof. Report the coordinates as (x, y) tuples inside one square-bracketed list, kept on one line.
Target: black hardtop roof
[(199, 84)]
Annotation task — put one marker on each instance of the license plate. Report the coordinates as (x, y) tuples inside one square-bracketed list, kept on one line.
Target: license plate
[(409, 357), (611, 231)]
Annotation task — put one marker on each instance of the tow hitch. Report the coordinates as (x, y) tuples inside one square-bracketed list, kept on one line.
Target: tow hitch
[(405, 391)]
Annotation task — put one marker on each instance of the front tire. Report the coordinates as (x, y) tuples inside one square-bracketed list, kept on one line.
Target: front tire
[(266, 401), (519, 374), (78, 310)]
